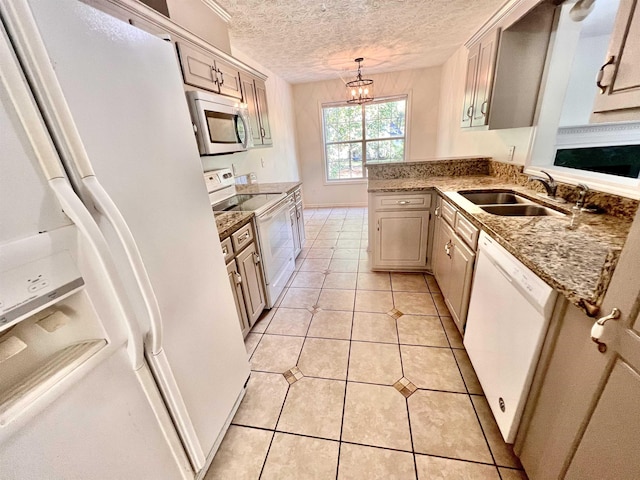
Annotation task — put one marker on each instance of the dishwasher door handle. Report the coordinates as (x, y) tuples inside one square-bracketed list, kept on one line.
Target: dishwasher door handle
[(501, 270)]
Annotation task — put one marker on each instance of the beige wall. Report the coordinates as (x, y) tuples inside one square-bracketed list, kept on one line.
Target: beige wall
[(423, 87), (271, 164), (456, 141)]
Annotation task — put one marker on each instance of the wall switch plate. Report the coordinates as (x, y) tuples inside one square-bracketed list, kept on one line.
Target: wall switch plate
[(512, 151)]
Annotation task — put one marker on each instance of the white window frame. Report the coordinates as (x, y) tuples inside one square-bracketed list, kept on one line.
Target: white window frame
[(363, 179), (549, 136)]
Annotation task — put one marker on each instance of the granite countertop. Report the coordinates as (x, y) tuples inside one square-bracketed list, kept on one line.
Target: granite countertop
[(279, 187), (577, 263), (229, 222)]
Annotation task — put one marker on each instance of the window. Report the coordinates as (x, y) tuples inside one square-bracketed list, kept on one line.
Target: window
[(356, 134)]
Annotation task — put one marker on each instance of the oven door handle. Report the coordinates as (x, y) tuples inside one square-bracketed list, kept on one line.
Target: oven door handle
[(268, 218)]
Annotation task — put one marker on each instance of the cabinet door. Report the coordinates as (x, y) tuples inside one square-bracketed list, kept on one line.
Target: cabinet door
[(249, 97), (198, 68), (229, 79), (462, 263), (297, 247), (252, 286), (401, 239), (484, 82), (440, 260), (470, 86), (621, 77), (235, 282), (263, 112), (300, 217)]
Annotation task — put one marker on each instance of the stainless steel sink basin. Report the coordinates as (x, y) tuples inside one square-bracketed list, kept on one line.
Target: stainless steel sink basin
[(492, 198), (521, 210)]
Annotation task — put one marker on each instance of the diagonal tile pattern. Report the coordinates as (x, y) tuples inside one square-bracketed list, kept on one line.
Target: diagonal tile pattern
[(359, 374)]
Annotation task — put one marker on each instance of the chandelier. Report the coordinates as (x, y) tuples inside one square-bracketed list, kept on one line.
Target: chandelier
[(359, 90)]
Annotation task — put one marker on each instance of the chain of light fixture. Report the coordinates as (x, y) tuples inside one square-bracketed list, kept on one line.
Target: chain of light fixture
[(359, 90)]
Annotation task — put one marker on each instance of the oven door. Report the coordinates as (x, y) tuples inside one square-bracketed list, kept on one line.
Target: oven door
[(276, 246), (221, 128)]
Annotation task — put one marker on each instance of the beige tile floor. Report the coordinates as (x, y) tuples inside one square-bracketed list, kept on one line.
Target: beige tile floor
[(382, 387)]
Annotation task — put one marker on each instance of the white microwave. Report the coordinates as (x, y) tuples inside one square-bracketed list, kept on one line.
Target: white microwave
[(220, 124)]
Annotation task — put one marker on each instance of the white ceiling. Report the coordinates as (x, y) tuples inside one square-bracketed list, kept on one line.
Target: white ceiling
[(304, 41)]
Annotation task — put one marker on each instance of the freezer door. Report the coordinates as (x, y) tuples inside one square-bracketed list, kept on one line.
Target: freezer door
[(100, 428), (124, 91)]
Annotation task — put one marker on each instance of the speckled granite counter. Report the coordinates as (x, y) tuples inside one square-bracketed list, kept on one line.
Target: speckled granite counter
[(279, 187), (229, 222), (577, 263)]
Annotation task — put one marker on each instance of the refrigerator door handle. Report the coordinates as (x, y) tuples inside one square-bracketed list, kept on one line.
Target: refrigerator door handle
[(15, 84), (109, 209), (78, 213)]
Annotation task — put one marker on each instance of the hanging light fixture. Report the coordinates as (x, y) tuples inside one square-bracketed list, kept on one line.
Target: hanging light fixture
[(359, 90)]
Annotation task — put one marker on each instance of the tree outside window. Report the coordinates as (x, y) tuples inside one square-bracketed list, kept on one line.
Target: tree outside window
[(357, 134)]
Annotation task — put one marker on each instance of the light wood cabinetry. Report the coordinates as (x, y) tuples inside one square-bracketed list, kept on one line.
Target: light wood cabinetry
[(453, 259), (204, 70), (244, 268), (254, 94), (619, 77), (400, 230)]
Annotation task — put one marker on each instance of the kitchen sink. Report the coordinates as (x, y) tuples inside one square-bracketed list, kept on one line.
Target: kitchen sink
[(521, 210), (492, 198)]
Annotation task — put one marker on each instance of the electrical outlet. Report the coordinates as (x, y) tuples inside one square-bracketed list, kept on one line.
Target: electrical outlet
[(262, 162), (512, 151)]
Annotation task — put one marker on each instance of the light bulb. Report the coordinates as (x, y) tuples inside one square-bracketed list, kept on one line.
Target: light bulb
[(353, 92), (366, 91), (360, 90)]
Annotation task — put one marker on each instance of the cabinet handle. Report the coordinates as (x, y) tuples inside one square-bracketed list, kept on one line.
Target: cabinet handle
[(470, 111), (256, 258), (483, 107), (221, 77), (238, 278), (603, 88), (225, 251), (437, 212), (404, 202), (378, 228), (215, 75), (263, 133), (598, 329), (243, 237), (447, 248)]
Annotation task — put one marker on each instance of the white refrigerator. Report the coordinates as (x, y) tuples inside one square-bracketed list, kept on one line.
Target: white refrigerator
[(120, 349)]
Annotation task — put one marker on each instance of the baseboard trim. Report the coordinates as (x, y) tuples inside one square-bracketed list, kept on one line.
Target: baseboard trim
[(335, 205)]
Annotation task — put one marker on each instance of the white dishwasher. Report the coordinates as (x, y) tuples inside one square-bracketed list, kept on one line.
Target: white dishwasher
[(509, 313)]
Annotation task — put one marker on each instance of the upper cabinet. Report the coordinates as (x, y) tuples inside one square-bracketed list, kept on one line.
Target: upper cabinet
[(203, 69), (479, 80), (505, 66), (254, 94), (619, 78)]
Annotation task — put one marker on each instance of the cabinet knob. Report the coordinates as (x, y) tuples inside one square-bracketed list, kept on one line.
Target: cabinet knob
[(238, 278), (598, 329), (256, 258)]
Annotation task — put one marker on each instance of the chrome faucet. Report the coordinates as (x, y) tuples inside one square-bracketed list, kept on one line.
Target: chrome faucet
[(549, 184), (583, 190)]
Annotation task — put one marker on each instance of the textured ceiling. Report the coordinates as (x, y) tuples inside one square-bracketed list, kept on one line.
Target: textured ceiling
[(304, 41)]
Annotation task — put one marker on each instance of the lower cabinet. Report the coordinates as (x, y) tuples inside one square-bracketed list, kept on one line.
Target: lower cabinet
[(453, 263), (399, 231), (235, 280), (297, 220), (250, 270), (244, 268)]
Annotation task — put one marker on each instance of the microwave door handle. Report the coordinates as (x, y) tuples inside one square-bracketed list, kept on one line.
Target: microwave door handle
[(247, 132)]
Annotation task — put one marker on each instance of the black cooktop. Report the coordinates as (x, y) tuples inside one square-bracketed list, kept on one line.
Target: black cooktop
[(246, 202)]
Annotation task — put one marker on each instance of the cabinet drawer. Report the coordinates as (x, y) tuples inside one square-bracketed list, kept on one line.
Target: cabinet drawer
[(416, 201), (448, 212), (242, 237), (227, 249), (467, 232)]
